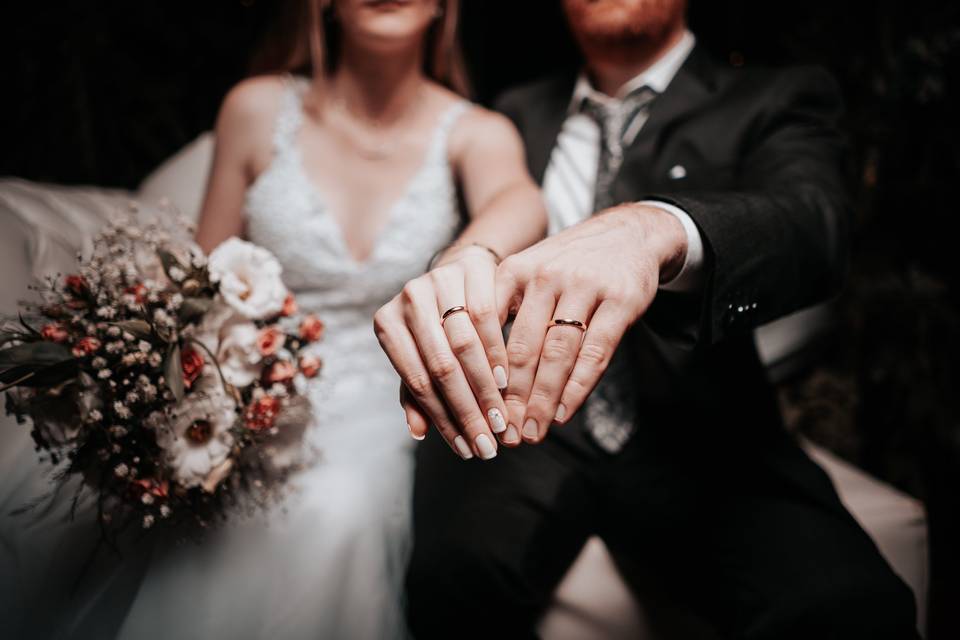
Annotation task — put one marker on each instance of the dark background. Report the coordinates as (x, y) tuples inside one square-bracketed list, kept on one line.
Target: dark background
[(100, 92)]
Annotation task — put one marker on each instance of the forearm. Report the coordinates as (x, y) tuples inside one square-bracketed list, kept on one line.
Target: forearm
[(510, 222)]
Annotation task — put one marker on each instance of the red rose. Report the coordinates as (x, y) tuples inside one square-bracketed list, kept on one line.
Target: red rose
[(138, 291), (280, 371), (310, 365), (261, 413), (85, 346), (159, 489), (269, 340), (311, 328), (289, 305), (54, 332), (191, 363), (77, 285)]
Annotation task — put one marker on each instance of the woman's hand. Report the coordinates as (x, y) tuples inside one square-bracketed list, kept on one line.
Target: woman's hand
[(452, 369)]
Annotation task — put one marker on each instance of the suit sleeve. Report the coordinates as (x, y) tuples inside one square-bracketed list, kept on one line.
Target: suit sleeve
[(777, 242)]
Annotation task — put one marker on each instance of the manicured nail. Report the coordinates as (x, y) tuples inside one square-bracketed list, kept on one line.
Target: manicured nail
[(500, 376), (415, 436), (497, 423), (511, 435), (561, 413), (462, 448), (485, 447), (530, 429)]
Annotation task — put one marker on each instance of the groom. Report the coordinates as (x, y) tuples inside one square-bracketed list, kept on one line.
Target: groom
[(719, 207)]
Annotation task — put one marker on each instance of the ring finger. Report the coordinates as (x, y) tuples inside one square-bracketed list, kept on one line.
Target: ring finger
[(561, 345)]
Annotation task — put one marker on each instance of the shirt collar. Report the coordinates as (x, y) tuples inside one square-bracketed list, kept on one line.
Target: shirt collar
[(657, 76)]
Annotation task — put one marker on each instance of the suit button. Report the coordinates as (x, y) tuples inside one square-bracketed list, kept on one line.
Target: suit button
[(678, 172)]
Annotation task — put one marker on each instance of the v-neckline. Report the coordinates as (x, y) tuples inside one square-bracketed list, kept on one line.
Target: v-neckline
[(317, 194)]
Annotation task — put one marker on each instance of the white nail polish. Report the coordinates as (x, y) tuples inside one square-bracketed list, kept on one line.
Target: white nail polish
[(415, 436), (530, 428), (497, 423), (500, 376), (485, 446), (462, 448), (511, 435), (561, 413)]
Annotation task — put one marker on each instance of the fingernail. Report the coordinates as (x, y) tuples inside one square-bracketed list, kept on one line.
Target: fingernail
[(511, 435), (500, 376), (561, 413), (462, 448), (415, 436), (485, 447), (530, 428), (497, 423)]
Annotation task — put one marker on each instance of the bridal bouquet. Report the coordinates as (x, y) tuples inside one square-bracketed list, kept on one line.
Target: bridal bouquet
[(170, 383)]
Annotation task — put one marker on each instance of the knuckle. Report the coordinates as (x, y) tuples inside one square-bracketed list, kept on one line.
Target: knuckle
[(519, 353), (461, 342), (575, 388), (442, 367), (594, 353), (542, 396), (496, 353), (556, 350), (511, 266), (411, 290), (419, 384), (481, 312), (473, 424), (546, 274)]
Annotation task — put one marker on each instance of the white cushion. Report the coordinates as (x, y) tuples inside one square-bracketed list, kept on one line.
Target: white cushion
[(182, 178)]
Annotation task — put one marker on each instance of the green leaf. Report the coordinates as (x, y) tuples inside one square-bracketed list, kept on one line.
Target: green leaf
[(173, 372), (34, 354), (139, 328), (193, 309), (24, 376), (168, 260)]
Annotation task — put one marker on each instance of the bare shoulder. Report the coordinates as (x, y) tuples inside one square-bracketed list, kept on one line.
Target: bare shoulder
[(252, 99), (246, 121), (481, 128)]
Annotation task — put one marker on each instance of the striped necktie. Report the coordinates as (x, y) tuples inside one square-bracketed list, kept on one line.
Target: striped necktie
[(611, 410)]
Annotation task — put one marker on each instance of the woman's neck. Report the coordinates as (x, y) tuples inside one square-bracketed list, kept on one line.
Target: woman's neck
[(375, 87)]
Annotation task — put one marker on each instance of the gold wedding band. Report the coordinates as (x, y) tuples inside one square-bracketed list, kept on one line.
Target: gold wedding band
[(449, 312), (566, 322)]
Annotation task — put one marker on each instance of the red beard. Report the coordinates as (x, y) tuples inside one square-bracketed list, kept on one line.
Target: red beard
[(611, 25)]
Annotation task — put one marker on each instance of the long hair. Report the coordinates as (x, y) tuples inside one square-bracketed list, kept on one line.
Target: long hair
[(306, 38)]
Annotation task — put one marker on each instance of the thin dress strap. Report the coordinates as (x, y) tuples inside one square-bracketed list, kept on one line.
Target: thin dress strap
[(290, 115), (445, 126)]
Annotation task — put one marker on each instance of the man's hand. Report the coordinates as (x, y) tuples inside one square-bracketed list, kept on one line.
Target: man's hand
[(603, 272)]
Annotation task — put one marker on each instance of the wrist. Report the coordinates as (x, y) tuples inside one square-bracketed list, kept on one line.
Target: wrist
[(661, 234), (457, 251)]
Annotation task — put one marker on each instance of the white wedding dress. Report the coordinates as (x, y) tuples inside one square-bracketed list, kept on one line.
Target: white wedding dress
[(329, 561)]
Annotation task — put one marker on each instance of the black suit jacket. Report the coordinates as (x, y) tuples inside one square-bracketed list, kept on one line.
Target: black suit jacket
[(764, 185)]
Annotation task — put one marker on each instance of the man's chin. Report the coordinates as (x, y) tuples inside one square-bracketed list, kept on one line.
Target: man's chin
[(618, 23)]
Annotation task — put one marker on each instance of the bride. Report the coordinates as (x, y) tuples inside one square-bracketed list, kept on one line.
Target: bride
[(348, 168)]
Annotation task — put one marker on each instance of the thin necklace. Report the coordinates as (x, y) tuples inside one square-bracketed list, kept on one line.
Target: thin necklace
[(373, 145)]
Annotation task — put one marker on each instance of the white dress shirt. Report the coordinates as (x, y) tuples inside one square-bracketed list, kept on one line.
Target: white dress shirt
[(570, 178)]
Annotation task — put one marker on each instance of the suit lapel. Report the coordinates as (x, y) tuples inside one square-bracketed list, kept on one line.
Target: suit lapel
[(687, 93)]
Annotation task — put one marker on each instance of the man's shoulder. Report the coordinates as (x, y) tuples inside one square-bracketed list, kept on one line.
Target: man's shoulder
[(775, 83), (518, 99)]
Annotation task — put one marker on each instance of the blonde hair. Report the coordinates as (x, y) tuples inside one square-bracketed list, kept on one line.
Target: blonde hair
[(313, 49)]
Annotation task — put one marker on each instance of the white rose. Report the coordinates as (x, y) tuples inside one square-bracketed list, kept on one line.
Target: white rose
[(233, 340), (249, 278), (237, 353), (196, 442)]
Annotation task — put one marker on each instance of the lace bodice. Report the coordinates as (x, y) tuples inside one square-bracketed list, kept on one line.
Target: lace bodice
[(287, 214)]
